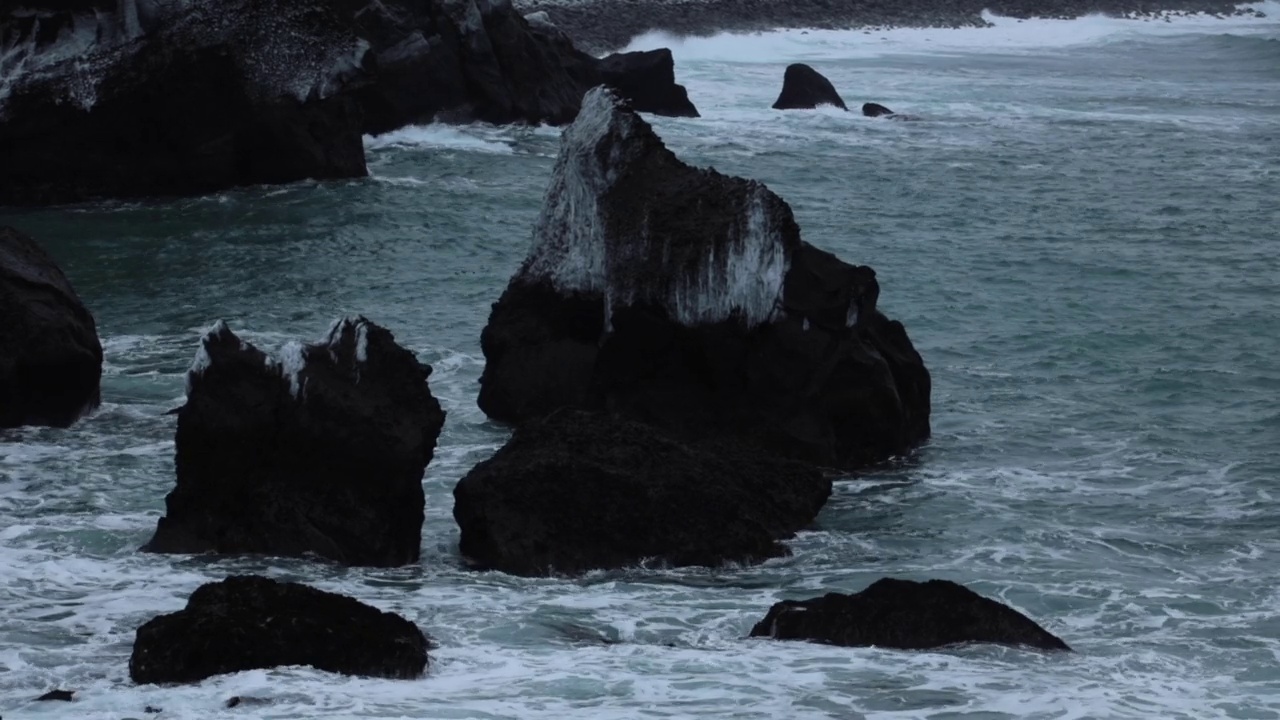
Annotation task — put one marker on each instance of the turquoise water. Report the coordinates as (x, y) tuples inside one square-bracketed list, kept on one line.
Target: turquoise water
[(1080, 237)]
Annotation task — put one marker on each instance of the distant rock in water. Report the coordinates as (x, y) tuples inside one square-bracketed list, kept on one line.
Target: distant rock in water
[(322, 451), (50, 356), (581, 491), (804, 88), (648, 81), (686, 299), (907, 615), (250, 622), (875, 110), (57, 696)]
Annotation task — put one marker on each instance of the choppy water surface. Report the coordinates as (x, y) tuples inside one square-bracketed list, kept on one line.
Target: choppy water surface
[(1080, 236)]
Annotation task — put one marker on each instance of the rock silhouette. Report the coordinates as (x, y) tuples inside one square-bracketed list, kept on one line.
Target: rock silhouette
[(804, 88)]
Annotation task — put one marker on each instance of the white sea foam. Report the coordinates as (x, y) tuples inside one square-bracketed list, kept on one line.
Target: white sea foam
[(437, 136)]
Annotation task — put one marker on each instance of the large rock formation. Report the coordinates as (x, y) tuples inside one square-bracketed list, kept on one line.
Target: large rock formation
[(322, 451), (647, 80), (686, 298), (904, 614), (250, 622), (50, 357), (804, 88), (581, 491)]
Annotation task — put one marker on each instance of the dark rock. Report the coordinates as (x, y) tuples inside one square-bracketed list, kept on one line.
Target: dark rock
[(150, 710), (647, 80), (904, 614), (237, 701), (202, 97), (320, 452), (50, 356), (250, 622), (804, 88), (57, 695), (686, 299), (875, 110), (580, 491)]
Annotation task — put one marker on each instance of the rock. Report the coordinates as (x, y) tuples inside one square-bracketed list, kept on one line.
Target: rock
[(250, 622), (237, 701), (648, 81), (199, 98), (580, 491), (875, 110), (906, 615), (804, 88), (50, 356), (686, 299), (57, 695), (322, 451)]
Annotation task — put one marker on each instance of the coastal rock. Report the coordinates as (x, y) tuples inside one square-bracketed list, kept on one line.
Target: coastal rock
[(50, 356), (648, 81), (322, 451), (686, 299), (804, 88), (875, 110), (904, 614), (250, 622), (581, 491)]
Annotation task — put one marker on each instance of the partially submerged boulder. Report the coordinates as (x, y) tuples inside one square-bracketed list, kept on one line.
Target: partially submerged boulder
[(877, 110), (685, 298), (907, 615), (581, 491), (250, 622), (50, 356), (804, 88), (647, 79), (319, 452)]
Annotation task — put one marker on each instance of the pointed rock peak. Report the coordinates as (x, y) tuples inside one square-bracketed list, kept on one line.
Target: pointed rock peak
[(804, 88), (349, 337), (625, 218)]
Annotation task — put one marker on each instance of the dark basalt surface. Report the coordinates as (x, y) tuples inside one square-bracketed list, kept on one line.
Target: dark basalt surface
[(907, 615), (251, 622), (648, 81), (804, 88)]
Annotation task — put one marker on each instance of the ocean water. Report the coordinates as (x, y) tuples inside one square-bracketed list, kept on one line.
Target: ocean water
[(1080, 236)]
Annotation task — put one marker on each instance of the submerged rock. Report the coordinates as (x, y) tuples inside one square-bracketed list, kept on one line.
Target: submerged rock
[(648, 81), (904, 614), (804, 88), (581, 491), (57, 696), (686, 299), (250, 622), (875, 110), (50, 356), (322, 451)]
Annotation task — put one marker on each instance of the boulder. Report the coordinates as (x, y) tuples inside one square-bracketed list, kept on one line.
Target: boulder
[(904, 614), (875, 110), (198, 98), (647, 80), (804, 88), (686, 299), (249, 622), (50, 357), (319, 452), (581, 491)]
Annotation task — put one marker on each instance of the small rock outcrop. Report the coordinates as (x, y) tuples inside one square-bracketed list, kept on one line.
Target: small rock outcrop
[(647, 80), (686, 299), (250, 622), (50, 356), (319, 452), (907, 615), (804, 88), (875, 110), (581, 491)]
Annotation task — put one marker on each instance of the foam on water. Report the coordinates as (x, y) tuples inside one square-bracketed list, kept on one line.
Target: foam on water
[(437, 136)]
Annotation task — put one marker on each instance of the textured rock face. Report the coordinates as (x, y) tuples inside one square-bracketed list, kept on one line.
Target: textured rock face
[(648, 81), (580, 491), (50, 356), (250, 622), (322, 451), (804, 88), (686, 299), (907, 615)]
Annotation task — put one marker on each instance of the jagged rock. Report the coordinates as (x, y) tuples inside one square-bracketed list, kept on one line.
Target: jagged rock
[(50, 356), (185, 98), (648, 81), (904, 614), (579, 491), (322, 451), (804, 88), (686, 299), (57, 696), (250, 622)]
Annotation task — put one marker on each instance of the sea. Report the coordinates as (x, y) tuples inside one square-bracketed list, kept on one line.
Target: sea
[(1080, 233)]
